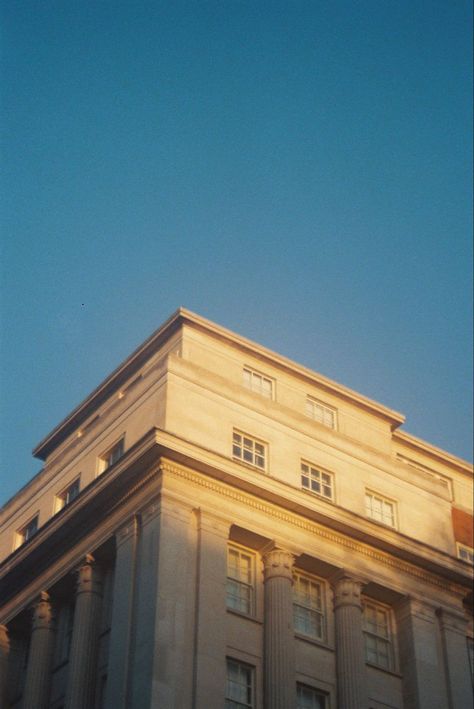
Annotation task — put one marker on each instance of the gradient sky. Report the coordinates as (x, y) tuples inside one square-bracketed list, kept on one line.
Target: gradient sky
[(299, 172)]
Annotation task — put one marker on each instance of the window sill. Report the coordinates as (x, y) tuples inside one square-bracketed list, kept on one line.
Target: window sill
[(330, 500), (245, 616), (314, 641), (386, 670), (250, 466)]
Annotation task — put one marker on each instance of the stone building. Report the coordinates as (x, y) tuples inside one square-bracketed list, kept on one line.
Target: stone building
[(217, 526)]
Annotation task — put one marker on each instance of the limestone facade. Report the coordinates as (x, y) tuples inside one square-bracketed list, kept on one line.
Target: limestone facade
[(217, 526)]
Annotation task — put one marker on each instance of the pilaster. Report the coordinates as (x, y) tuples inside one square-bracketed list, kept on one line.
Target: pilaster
[(453, 626), (279, 645), (38, 671), (210, 626), (118, 675), (420, 662)]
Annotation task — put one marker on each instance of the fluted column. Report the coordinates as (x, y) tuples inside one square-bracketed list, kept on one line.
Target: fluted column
[(38, 671), (83, 657), (280, 683), (350, 656), (4, 653)]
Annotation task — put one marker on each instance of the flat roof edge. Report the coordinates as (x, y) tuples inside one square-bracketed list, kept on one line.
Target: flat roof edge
[(434, 451)]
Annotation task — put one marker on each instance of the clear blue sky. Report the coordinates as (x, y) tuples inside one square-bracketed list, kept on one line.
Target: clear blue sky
[(299, 172)]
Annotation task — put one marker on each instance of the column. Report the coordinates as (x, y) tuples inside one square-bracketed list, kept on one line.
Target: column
[(116, 695), (210, 628), (351, 673), (4, 653), (421, 666), (38, 671), (453, 626), (279, 638), (80, 693)]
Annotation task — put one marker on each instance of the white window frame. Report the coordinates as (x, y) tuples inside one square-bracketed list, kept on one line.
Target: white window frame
[(465, 553), (313, 606), (252, 450), (315, 694), (231, 700), (321, 413), (24, 534), (378, 636), (259, 383), (103, 463), (63, 499), (317, 480), (236, 580), (371, 495)]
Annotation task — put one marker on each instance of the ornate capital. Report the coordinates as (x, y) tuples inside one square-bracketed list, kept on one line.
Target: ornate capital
[(278, 563), (88, 577), (43, 617), (347, 590)]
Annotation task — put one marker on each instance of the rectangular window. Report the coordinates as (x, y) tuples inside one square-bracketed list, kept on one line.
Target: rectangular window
[(309, 698), (239, 687), (240, 580), (249, 450), (318, 481), (320, 412), (258, 382), (465, 553), (377, 635), (66, 496), (24, 534), (308, 607), (111, 456), (380, 509)]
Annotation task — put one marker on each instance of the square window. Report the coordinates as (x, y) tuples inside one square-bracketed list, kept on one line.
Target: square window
[(465, 553), (240, 592), (318, 481), (111, 456), (380, 509), (308, 607), (24, 534), (321, 413), (249, 450), (66, 496), (377, 635), (239, 686), (309, 698), (258, 383)]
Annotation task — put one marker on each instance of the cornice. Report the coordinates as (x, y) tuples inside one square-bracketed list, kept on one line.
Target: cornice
[(184, 473), (432, 451)]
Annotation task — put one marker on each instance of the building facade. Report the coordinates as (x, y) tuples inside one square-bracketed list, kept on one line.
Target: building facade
[(216, 526)]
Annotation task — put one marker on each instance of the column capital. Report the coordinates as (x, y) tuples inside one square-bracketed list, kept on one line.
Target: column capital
[(88, 576), (347, 589), (127, 530), (278, 562), (42, 612)]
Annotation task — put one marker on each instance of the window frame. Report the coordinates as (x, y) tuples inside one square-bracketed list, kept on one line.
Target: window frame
[(230, 702), (317, 693), (254, 455), (22, 536), (387, 640), (61, 497), (312, 467), (311, 401), (256, 380), (103, 458), (251, 586), (385, 501), (460, 547), (320, 612)]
